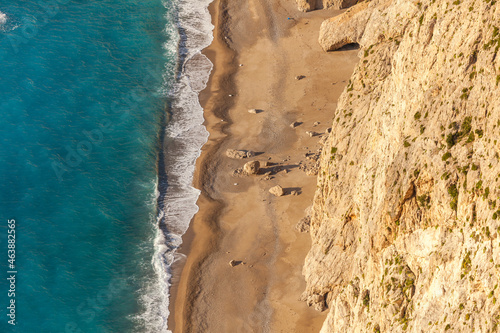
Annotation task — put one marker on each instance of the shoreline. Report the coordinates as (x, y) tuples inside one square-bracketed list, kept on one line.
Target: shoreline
[(271, 251), (209, 208)]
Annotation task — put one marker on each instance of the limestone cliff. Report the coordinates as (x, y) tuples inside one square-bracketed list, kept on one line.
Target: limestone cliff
[(406, 219)]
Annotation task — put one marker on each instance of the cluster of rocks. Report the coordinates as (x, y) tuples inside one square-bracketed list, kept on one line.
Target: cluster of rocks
[(313, 156), (312, 133), (304, 224), (265, 168), (239, 154), (310, 168)]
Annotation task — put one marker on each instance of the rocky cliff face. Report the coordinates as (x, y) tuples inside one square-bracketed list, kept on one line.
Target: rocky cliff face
[(406, 219)]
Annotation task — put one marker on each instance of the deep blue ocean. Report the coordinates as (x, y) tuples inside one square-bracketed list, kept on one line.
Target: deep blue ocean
[(100, 126)]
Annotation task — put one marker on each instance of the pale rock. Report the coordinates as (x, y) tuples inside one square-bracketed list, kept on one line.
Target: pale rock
[(233, 263), (239, 154), (277, 191), (251, 168), (311, 133)]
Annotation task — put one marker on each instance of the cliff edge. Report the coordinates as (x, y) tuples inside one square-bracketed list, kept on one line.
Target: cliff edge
[(406, 218)]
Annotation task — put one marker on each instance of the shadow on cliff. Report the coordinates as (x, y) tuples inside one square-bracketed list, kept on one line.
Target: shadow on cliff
[(349, 47)]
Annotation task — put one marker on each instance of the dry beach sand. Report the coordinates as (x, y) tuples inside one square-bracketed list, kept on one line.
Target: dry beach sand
[(257, 54)]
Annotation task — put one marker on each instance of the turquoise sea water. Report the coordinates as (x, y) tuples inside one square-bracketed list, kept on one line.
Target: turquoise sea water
[(94, 172)]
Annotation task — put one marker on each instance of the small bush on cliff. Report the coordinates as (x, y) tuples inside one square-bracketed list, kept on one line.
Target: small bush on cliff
[(424, 201), (465, 93), (486, 193), (471, 138), (450, 140), (453, 192), (466, 264), (366, 298), (446, 156), (466, 125)]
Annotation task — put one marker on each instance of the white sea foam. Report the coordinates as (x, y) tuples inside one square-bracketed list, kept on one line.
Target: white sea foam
[(3, 18), (189, 31)]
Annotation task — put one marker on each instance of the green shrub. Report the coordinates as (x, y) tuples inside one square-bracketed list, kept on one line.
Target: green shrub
[(424, 200), (453, 192), (466, 126), (450, 140), (466, 264), (446, 156), (366, 298), (486, 193)]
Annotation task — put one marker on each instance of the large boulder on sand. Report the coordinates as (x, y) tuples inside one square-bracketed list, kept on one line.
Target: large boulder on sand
[(252, 167), (277, 191)]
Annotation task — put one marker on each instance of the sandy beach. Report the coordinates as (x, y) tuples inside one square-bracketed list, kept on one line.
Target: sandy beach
[(259, 50)]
